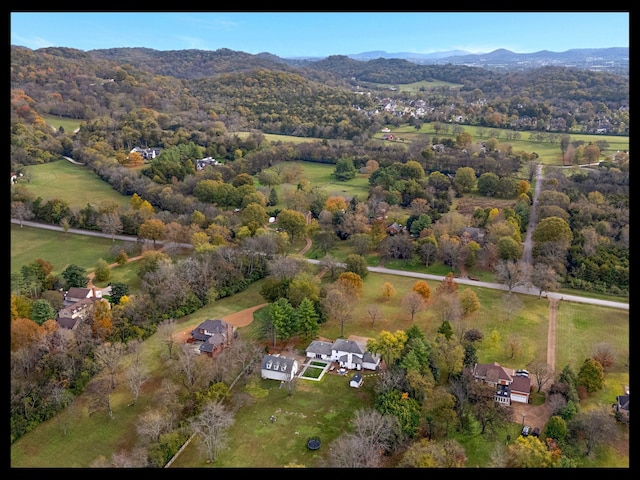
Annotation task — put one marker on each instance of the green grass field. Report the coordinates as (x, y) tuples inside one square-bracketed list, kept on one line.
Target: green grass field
[(321, 175), (60, 249), (549, 153), (75, 184), (69, 124)]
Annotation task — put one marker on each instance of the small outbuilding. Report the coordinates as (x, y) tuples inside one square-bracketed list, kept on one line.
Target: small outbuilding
[(356, 380)]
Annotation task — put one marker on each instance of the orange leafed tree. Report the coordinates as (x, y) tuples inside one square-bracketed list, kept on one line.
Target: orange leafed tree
[(335, 204), (422, 288), (24, 332), (448, 285)]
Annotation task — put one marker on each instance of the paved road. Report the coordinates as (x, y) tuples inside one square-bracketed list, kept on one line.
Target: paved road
[(498, 286), (427, 276)]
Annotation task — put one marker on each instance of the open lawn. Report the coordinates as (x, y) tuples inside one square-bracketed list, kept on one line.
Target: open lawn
[(75, 184), (69, 124), (317, 409), (60, 249), (321, 175)]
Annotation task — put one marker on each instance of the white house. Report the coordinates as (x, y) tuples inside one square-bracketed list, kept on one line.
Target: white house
[(351, 354), (280, 368)]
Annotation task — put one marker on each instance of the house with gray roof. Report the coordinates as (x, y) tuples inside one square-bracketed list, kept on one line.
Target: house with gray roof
[(213, 336), (280, 368), (351, 354)]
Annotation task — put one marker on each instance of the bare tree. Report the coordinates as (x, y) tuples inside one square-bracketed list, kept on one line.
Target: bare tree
[(61, 398), (413, 303), (448, 308), (240, 360), (136, 458), (373, 435), (513, 274), (152, 423), (380, 432), (332, 265), (22, 211), (108, 356), (544, 278), (349, 452), (136, 372), (511, 304), (597, 426), (374, 312), (110, 223), (166, 330), (339, 306), (212, 425), (542, 372), (281, 267), (99, 392), (167, 396), (187, 367)]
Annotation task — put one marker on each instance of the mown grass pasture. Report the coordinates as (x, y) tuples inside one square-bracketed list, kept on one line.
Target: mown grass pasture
[(75, 184)]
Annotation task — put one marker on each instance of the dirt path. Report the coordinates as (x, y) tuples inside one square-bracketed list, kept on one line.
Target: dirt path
[(237, 319)]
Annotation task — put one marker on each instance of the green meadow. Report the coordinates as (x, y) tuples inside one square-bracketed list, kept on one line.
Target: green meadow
[(75, 184), (69, 124)]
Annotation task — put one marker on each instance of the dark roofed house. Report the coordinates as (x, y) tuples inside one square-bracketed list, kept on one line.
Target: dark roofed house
[(213, 336), (622, 403), (511, 385), (395, 228)]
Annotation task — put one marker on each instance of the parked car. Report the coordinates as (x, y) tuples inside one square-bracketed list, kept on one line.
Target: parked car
[(536, 432), (526, 430)]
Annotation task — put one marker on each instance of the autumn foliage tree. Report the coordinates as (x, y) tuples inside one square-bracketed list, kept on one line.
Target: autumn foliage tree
[(448, 285), (388, 291), (422, 288), (351, 283), (152, 229), (24, 332)]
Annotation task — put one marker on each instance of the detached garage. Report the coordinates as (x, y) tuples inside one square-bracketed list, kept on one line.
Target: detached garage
[(280, 368)]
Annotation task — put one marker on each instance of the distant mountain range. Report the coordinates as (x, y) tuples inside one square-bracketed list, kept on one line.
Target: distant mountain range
[(614, 59)]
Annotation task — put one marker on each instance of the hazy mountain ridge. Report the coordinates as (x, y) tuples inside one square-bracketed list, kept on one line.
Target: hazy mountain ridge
[(614, 59)]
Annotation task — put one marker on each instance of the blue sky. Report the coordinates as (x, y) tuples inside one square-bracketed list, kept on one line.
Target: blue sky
[(320, 34)]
